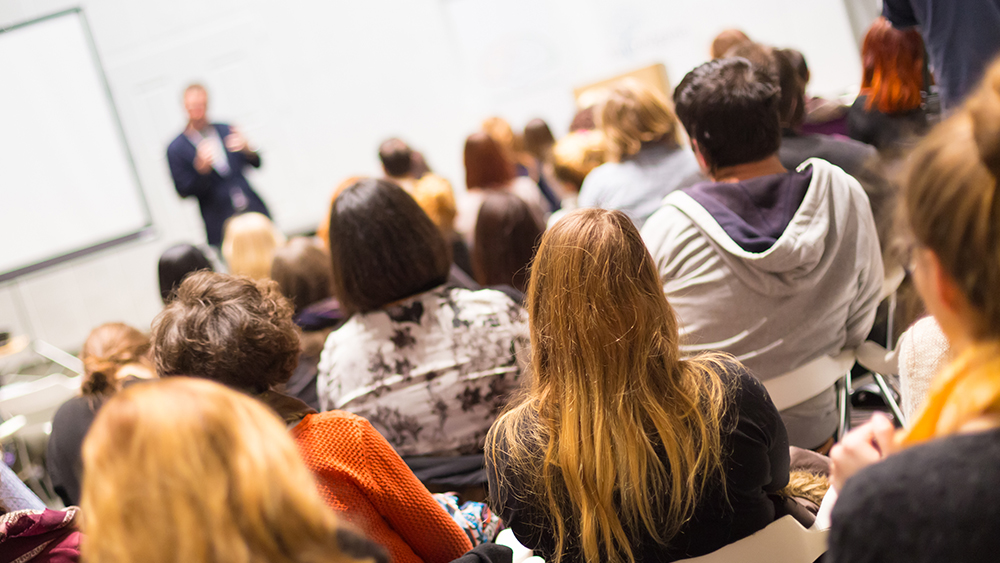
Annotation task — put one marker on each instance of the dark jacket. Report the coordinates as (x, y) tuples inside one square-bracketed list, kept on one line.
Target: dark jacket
[(214, 192)]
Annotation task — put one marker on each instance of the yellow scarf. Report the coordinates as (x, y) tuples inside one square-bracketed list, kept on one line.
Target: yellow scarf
[(966, 390)]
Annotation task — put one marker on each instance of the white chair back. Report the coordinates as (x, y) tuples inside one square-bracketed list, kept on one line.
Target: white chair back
[(809, 380), (37, 401), (782, 541)]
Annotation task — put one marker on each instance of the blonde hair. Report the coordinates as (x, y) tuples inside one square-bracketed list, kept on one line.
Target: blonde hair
[(185, 470), (249, 244), (576, 154), (629, 433), (435, 196), (952, 207), (634, 114), (110, 348)]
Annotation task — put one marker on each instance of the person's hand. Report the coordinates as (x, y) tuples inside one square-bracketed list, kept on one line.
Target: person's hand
[(861, 447), (235, 141), (204, 159)]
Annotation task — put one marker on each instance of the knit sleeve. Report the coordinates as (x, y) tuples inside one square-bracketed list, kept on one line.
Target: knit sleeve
[(407, 505)]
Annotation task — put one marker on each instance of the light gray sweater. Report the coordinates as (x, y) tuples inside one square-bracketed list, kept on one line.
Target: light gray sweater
[(813, 292)]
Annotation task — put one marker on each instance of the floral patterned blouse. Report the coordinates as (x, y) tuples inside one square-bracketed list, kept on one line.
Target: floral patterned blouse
[(432, 372)]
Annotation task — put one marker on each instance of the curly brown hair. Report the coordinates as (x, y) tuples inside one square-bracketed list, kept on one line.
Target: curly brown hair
[(230, 329)]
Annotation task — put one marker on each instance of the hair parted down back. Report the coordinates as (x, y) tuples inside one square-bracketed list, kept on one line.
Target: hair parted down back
[(951, 202), (184, 469), (615, 411), (229, 329)]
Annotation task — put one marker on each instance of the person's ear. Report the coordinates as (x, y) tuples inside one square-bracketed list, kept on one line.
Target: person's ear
[(702, 162)]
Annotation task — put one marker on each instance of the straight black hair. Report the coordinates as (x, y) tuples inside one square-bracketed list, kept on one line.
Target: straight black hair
[(383, 247)]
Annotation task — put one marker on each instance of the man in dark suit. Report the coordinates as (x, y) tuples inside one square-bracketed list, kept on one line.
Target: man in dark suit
[(207, 161)]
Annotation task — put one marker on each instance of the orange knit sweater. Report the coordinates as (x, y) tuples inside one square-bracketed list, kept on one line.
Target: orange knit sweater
[(363, 478)]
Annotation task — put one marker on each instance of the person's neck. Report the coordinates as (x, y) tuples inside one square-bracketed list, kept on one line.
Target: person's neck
[(747, 170), (199, 125)]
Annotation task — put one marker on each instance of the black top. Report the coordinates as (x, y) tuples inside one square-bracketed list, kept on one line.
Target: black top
[(885, 132), (69, 428), (934, 502), (756, 461)]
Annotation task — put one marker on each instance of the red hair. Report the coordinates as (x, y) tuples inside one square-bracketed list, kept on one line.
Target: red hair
[(486, 165), (893, 63)]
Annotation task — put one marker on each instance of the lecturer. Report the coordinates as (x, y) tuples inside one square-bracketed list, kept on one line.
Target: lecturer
[(207, 160)]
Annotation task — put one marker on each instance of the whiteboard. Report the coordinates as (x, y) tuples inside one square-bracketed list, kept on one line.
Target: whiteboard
[(67, 182)]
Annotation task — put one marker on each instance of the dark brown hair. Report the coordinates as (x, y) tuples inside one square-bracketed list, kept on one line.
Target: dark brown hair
[(726, 40), (396, 157), (108, 348), (538, 138), (383, 247), (302, 270), (507, 234), (486, 165), (233, 330)]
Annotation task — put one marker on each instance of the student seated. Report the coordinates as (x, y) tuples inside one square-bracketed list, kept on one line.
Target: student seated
[(114, 354), (620, 450), (187, 470), (429, 365), (240, 333), (175, 264), (249, 245), (507, 233), (934, 495), (775, 267), (647, 161)]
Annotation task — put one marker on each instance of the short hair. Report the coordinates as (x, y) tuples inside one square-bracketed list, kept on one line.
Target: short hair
[(249, 243), (230, 329), (176, 263), (383, 247), (576, 154), (726, 40), (507, 234), (486, 163), (634, 114), (190, 451), (893, 61), (396, 157), (729, 107), (195, 87), (301, 269)]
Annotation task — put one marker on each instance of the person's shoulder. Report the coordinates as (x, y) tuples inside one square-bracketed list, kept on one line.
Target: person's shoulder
[(179, 143), (484, 302), (335, 422), (76, 409)]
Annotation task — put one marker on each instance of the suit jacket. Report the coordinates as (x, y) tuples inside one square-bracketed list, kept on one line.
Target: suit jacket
[(214, 191)]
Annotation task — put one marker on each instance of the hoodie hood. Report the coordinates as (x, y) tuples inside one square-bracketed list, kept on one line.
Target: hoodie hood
[(773, 245)]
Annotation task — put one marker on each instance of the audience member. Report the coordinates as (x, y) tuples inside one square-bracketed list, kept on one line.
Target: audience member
[(726, 41), (302, 270), (646, 159), (175, 264), (428, 365), (961, 37), (584, 120), (573, 157), (249, 245), (929, 492), (113, 355), (187, 470), (889, 111), (620, 450), (487, 167), (538, 142), (323, 229), (776, 267), (29, 532), (248, 342), (525, 164), (207, 162), (507, 233)]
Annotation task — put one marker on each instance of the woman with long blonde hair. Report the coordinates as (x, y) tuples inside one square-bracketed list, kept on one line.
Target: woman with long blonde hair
[(934, 497), (620, 450), (186, 470)]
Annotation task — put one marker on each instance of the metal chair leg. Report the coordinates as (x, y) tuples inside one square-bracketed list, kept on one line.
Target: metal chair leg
[(883, 386), (844, 404)]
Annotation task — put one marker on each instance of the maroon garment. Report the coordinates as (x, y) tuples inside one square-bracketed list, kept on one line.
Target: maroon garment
[(39, 536)]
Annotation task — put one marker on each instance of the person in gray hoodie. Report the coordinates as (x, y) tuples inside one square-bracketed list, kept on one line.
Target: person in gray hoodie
[(775, 267)]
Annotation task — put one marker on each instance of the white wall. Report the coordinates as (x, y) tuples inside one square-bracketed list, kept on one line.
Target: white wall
[(319, 84)]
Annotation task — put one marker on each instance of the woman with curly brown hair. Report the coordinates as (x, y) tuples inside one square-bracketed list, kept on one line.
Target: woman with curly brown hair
[(240, 332), (114, 354)]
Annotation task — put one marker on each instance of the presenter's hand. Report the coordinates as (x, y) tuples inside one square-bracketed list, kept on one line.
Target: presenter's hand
[(235, 141), (861, 447), (203, 160)]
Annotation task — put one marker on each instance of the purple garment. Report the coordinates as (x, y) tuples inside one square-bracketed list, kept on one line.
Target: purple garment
[(755, 212), (48, 534)]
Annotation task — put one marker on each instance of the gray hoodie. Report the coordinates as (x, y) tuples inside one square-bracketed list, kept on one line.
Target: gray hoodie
[(777, 271)]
